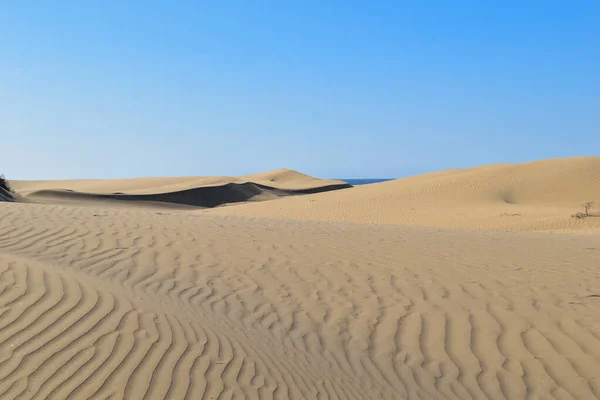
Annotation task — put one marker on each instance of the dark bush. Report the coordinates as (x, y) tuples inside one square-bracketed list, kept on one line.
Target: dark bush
[(4, 184)]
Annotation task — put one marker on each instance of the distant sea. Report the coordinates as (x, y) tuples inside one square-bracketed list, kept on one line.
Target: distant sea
[(355, 182)]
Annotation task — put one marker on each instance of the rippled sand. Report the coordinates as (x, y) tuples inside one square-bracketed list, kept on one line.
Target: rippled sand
[(131, 304)]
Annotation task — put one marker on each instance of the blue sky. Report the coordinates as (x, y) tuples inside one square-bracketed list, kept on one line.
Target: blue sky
[(347, 89)]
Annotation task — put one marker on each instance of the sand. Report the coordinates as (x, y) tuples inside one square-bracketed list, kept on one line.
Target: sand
[(179, 192), (536, 196), (102, 301)]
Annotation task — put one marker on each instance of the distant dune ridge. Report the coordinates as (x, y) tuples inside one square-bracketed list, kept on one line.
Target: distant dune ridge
[(185, 191), (292, 299), (534, 196)]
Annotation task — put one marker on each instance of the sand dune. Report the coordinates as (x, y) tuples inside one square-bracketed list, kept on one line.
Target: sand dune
[(106, 302), (132, 304), (180, 191), (540, 195)]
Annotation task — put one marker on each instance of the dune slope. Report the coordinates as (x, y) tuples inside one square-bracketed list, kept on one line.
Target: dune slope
[(186, 191), (540, 195), (131, 304)]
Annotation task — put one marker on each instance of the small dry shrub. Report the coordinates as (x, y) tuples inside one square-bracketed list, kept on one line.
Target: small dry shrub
[(4, 184), (586, 210)]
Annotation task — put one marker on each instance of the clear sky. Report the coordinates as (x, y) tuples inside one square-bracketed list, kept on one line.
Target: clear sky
[(340, 89)]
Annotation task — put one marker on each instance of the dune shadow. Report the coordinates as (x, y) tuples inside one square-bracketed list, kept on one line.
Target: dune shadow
[(200, 197)]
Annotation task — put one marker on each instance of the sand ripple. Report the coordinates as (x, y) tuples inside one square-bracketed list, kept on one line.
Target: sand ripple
[(129, 304)]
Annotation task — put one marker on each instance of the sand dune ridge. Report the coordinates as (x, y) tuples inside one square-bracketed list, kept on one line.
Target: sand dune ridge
[(185, 191)]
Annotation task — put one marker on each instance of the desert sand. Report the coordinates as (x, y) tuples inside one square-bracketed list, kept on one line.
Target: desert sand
[(382, 291), (536, 196), (177, 191)]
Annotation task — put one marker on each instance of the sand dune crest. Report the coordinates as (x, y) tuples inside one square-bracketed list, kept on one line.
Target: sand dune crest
[(205, 192)]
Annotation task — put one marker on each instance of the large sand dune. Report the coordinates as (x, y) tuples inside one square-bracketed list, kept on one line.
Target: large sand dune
[(105, 302), (178, 191), (540, 195)]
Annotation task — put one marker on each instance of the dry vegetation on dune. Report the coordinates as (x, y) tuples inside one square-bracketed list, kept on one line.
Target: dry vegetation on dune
[(6, 191), (5, 184), (587, 206)]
